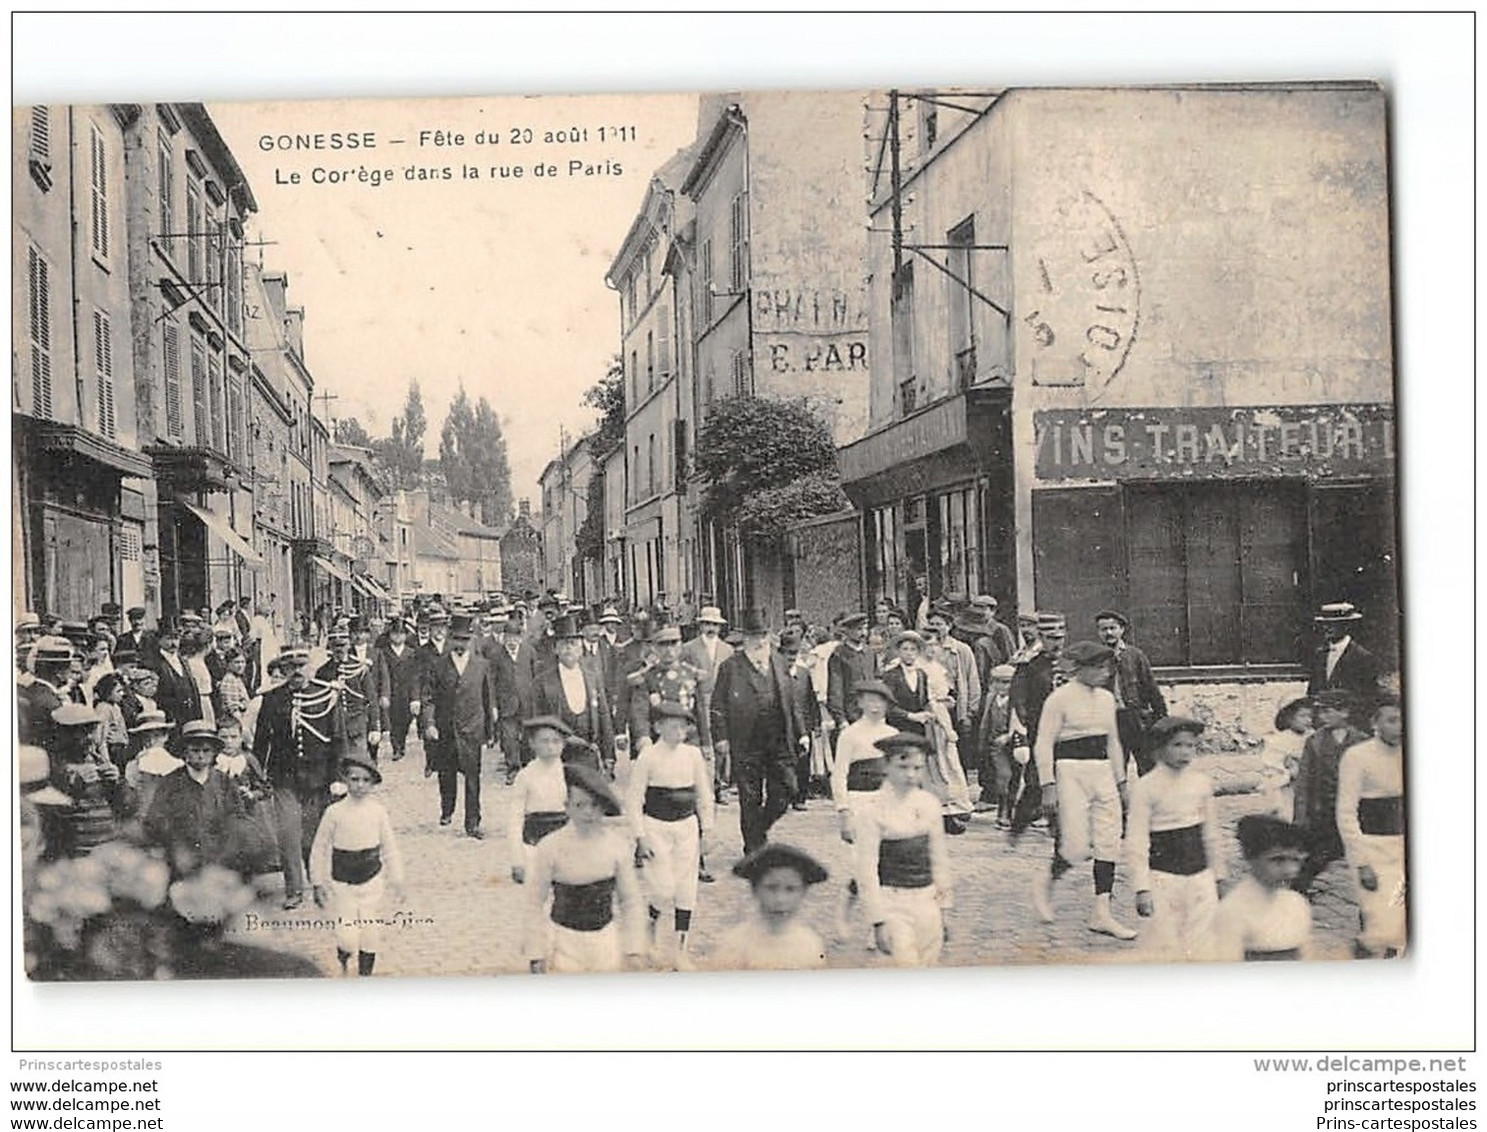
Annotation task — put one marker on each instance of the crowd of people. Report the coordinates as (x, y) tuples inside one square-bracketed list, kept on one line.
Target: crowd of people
[(211, 744)]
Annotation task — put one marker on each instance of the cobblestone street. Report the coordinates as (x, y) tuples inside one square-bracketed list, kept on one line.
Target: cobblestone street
[(464, 916)]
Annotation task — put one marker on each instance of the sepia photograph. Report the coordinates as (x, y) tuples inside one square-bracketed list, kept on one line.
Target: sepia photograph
[(752, 530)]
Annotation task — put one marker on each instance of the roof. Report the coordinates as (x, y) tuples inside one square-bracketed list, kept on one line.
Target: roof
[(429, 543), (664, 182), (729, 120), (200, 122)]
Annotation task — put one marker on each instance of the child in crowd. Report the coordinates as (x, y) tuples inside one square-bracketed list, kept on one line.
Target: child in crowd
[(1316, 780), (108, 702), (86, 775), (774, 938), (540, 792), (232, 694), (1280, 758), (996, 745), (144, 772), (353, 848), (1173, 840), (584, 868), (669, 797), (860, 767), (902, 864), (1262, 917), (1370, 817)]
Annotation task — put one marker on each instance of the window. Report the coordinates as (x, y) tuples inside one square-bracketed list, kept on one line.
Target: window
[(103, 364), (630, 308), (199, 391), (962, 239), (908, 396), (902, 314), (960, 543), (172, 349), (663, 344), (215, 234), (650, 361), (635, 474), (39, 321), (99, 184), (884, 580), (650, 476), (738, 242), (705, 281), (195, 223), (219, 414), (236, 443), (166, 176), (235, 288), (634, 378), (650, 279)]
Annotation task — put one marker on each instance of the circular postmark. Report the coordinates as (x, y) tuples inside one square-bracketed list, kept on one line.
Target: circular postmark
[(1085, 297)]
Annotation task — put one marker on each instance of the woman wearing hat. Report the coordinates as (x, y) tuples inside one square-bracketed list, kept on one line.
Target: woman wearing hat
[(83, 771), (578, 875)]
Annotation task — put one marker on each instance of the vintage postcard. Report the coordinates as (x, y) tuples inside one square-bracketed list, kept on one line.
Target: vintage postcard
[(748, 530)]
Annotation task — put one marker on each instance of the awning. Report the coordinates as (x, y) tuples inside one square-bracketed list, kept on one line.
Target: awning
[(330, 567), (369, 586), (223, 530)]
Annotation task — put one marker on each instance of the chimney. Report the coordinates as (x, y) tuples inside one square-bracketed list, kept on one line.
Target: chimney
[(524, 509), (294, 330)]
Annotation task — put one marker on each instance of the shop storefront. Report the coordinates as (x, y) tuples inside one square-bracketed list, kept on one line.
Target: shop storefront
[(936, 494)]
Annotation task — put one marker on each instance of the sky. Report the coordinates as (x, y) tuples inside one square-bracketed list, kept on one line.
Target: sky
[(496, 284)]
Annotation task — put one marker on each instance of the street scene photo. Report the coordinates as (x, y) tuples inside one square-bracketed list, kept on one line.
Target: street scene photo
[(754, 530)]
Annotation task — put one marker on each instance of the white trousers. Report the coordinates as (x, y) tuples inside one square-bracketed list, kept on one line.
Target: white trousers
[(577, 952), (1382, 911), (1088, 810), (357, 908), (671, 875), (915, 927), (1181, 924)]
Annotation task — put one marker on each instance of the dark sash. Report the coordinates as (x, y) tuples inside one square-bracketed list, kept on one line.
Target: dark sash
[(1257, 955), (538, 824), (670, 803), (1179, 852), (583, 907), (866, 775), (904, 862), (1381, 817), (1088, 747), (355, 866)]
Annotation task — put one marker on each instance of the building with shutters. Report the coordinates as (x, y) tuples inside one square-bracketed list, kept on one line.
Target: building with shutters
[(1140, 358), (80, 483), (356, 493), (186, 203), (565, 498)]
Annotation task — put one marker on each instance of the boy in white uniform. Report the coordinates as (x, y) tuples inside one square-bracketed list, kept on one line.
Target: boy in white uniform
[(902, 863), (540, 792), (353, 846), (1083, 770), (860, 766), (1262, 918), (669, 796), (1370, 817), (1173, 842)]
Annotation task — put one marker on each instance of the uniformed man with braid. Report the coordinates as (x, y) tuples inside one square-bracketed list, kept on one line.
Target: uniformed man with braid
[(359, 700)]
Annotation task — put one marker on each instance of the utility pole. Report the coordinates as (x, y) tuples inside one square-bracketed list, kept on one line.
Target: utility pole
[(895, 188)]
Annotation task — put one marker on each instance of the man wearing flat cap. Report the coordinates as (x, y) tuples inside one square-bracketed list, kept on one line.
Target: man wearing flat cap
[(1341, 663), (1138, 701), (851, 663)]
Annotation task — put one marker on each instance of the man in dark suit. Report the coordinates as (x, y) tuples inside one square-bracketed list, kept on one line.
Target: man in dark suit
[(430, 653), (299, 740), (851, 663), (399, 677), (754, 719), (514, 673), (460, 723), (1138, 701), (359, 700), (1341, 663), (178, 696), (573, 692)]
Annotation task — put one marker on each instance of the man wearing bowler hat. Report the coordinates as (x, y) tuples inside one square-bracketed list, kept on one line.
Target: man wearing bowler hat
[(1341, 663), (1138, 701), (460, 721), (758, 729)]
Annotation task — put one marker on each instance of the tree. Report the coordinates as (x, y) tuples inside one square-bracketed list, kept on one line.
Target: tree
[(472, 457), (765, 464), (608, 396), (350, 432), (401, 454), (590, 536)]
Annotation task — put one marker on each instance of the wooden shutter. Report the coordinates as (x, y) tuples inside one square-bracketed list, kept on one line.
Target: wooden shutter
[(103, 362), (173, 423), (1157, 575), (41, 134), (100, 193), (219, 413), (663, 343), (1272, 551), (1079, 553), (165, 178), (738, 241), (1214, 594), (40, 319), (195, 272), (199, 392)]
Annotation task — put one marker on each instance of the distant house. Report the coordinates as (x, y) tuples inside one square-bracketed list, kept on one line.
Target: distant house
[(453, 554)]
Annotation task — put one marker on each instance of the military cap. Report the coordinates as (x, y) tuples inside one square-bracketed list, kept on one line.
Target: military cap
[(667, 635), (594, 784), (1088, 654), (775, 855), (1169, 725), (904, 741), (294, 656), (361, 762), (1260, 833), (1049, 620), (548, 722), (74, 715)]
